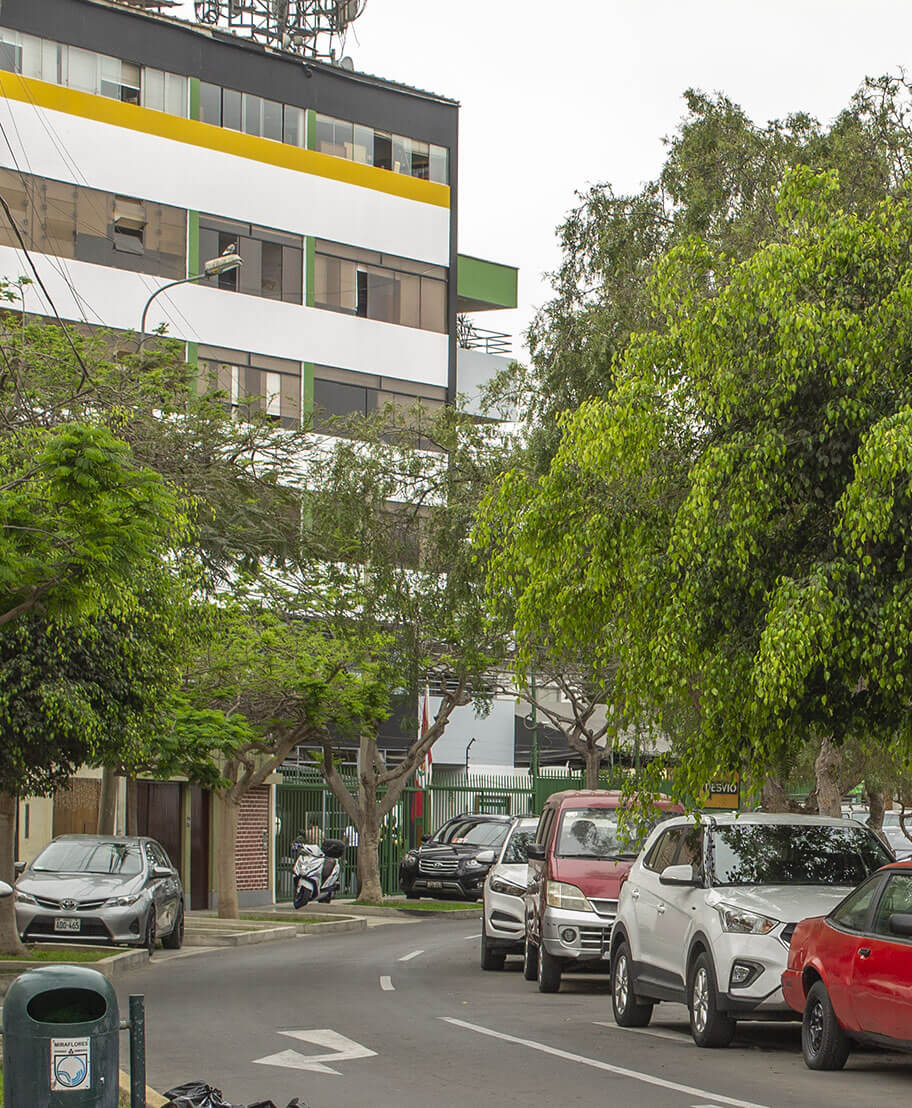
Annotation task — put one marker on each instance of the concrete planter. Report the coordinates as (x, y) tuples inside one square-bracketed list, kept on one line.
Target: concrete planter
[(113, 967)]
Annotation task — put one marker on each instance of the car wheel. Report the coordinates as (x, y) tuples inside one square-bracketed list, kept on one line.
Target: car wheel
[(413, 896), (823, 1042), (530, 961), (149, 935), (549, 972), (490, 959), (628, 1011), (175, 940), (708, 1025)]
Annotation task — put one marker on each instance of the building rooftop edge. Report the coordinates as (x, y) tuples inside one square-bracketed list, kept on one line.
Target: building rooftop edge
[(226, 36)]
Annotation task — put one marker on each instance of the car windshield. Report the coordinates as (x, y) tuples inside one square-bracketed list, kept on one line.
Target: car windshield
[(123, 859), (484, 833), (794, 854), (515, 851), (590, 833)]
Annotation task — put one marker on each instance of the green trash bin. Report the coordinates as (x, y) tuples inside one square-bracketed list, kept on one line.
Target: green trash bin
[(60, 1040)]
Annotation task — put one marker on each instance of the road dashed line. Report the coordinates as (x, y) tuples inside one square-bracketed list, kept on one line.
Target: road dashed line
[(386, 984), (409, 957)]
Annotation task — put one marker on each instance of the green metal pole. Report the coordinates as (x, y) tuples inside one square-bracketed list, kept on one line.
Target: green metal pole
[(137, 1052)]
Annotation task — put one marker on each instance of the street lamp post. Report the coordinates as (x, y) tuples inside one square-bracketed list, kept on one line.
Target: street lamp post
[(224, 263)]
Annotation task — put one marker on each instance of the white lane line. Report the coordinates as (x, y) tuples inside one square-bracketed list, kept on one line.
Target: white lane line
[(409, 957), (674, 1036), (580, 1059), (386, 984), (467, 937)]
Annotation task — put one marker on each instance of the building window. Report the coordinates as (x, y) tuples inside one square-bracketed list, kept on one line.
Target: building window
[(164, 92), (129, 225), (380, 286), (71, 221), (253, 383), (273, 261), (341, 394), (410, 157), (100, 74)]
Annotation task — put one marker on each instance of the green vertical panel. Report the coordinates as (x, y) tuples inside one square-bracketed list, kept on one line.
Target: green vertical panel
[(311, 129), (194, 98), (193, 243), (307, 371), (192, 353), (309, 252)]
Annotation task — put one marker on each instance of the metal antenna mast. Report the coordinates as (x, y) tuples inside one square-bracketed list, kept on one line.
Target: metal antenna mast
[(311, 28)]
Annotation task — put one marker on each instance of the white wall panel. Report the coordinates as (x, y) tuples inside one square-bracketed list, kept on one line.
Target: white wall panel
[(116, 297), (493, 735), (70, 148)]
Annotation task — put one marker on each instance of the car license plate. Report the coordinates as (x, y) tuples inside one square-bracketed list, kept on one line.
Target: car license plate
[(435, 884), (67, 924)]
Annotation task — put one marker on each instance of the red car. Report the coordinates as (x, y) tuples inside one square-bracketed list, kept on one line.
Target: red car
[(850, 973)]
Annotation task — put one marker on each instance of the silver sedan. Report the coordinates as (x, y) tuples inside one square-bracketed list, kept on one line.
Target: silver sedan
[(120, 890)]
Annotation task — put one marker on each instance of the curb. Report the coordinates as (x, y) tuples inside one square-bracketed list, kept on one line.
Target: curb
[(412, 913), (211, 933), (112, 967), (153, 1099)]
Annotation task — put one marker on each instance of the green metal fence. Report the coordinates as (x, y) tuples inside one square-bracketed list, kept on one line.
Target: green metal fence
[(307, 805)]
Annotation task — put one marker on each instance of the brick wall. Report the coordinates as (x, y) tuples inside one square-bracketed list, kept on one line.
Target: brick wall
[(252, 853)]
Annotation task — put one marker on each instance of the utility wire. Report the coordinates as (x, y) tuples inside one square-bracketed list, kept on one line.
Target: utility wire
[(25, 250)]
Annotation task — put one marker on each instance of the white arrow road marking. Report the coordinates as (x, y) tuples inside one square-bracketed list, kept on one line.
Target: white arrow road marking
[(409, 957), (467, 937), (340, 1048), (386, 984), (620, 1071)]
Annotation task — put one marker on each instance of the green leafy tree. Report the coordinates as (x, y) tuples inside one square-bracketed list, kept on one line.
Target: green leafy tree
[(739, 503)]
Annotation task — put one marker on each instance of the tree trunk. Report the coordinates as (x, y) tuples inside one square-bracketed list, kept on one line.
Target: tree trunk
[(226, 855), (10, 943), (107, 802), (875, 808), (826, 769), (370, 888), (593, 764), (775, 798), (132, 811)]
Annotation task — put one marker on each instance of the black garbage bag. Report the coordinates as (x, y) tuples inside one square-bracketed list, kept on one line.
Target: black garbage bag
[(197, 1094)]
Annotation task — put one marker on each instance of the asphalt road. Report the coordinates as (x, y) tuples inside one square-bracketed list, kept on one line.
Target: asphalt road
[(403, 1016)]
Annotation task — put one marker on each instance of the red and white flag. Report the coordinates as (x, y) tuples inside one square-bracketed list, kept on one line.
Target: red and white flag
[(423, 773)]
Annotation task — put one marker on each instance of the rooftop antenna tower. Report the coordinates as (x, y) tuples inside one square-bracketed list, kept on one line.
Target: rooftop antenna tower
[(313, 29)]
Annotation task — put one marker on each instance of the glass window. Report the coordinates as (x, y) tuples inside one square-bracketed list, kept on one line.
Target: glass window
[(10, 51), (129, 225), (854, 911), (272, 120), (231, 109), (795, 854), (897, 898), (81, 69), (89, 856), (153, 89), (383, 150), (335, 400), (420, 160), (662, 852), (588, 833), (363, 145), (433, 305), (402, 155), (253, 114), (439, 158), (515, 849), (210, 104), (295, 126)]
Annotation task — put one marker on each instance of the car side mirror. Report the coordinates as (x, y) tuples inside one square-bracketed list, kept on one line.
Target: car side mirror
[(426, 839), (678, 875), (900, 923), (161, 872), (535, 852), (5, 890), (485, 857), (19, 868)]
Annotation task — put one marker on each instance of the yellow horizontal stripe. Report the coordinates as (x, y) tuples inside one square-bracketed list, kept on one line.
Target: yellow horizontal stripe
[(193, 133)]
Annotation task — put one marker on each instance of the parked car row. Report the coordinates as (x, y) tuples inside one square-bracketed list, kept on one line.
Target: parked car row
[(753, 916)]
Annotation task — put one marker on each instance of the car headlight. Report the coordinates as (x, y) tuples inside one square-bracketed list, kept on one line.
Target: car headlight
[(24, 898), (560, 895), (742, 922), (502, 885), (122, 901)]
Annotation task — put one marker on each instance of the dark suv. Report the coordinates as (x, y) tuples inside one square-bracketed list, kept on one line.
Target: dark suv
[(455, 861)]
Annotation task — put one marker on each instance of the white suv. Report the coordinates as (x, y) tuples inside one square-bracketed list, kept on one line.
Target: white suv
[(708, 909)]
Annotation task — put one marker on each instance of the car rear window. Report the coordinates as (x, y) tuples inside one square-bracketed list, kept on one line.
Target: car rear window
[(794, 854), (124, 859)]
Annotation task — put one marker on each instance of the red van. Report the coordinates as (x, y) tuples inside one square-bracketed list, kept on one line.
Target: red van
[(576, 866)]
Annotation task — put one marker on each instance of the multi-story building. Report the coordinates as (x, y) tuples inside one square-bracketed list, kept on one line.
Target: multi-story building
[(135, 147)]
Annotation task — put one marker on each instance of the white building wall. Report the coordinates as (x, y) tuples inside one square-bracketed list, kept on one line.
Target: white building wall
[(116, 297), (149, 167), (493, 735)]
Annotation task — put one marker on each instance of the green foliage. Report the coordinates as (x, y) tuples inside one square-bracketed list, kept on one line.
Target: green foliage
[(733, 518)]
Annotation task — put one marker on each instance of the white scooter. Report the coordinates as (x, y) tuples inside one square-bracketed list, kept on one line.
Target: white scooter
[(317, 872)]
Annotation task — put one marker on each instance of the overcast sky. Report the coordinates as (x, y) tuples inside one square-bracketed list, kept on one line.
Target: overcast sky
[(559, 95)]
